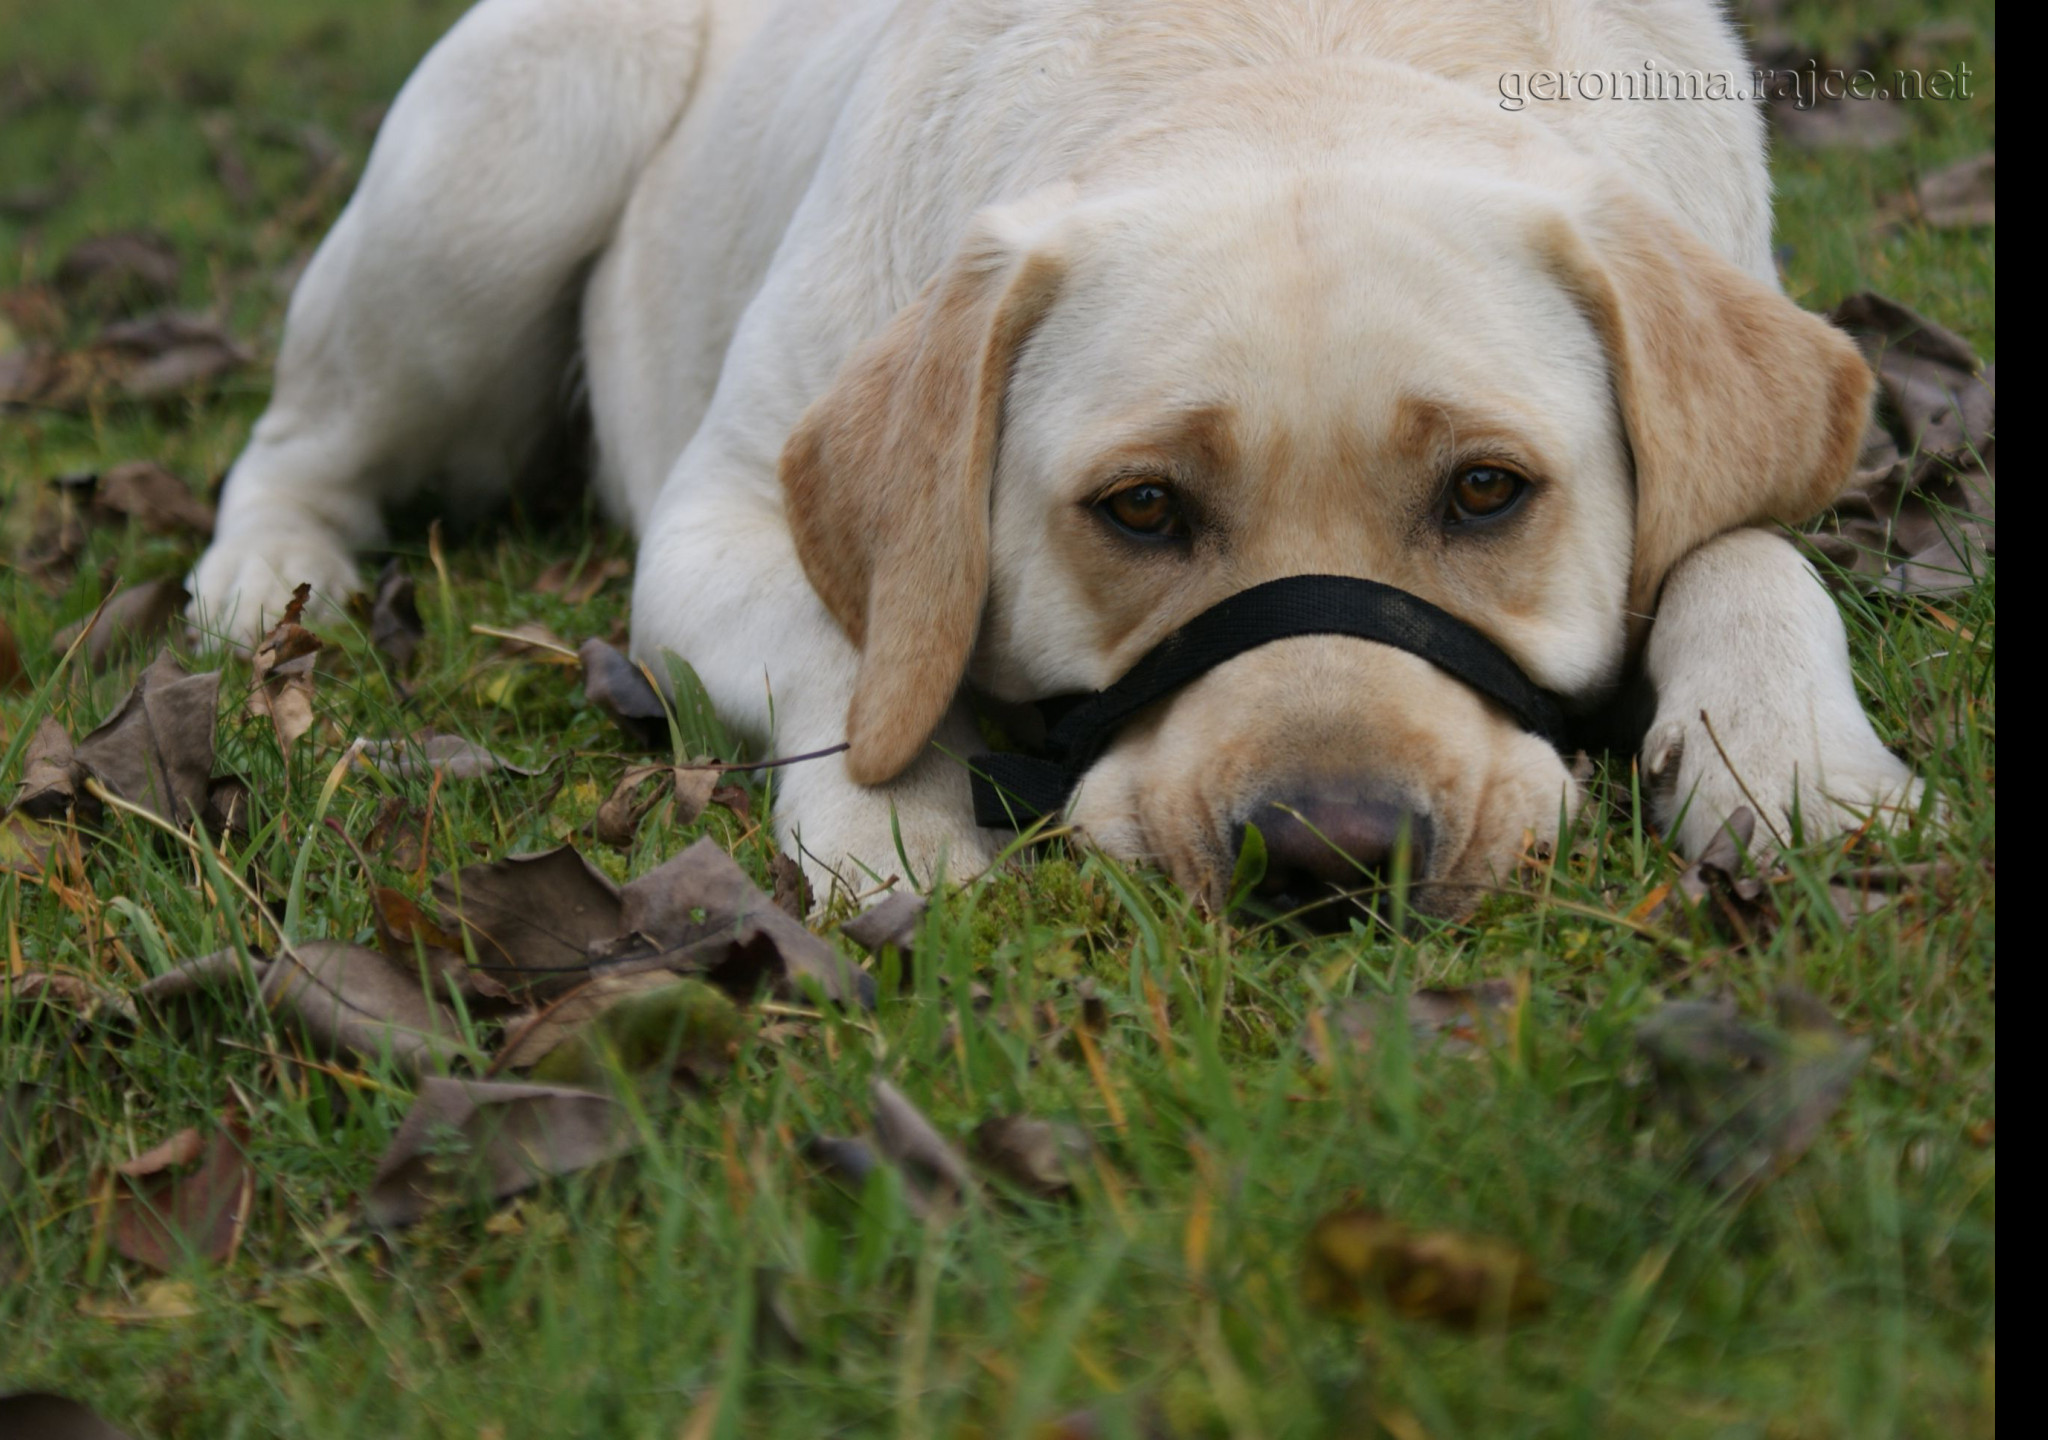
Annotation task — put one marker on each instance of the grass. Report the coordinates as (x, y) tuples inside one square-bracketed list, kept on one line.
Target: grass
[(1853, 1295)]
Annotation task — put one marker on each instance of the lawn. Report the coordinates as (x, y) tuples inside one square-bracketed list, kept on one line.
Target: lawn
[(724, 1277)]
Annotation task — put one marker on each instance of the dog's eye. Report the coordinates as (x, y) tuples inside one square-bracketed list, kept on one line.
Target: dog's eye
[(1146, 509), (1480, 492)]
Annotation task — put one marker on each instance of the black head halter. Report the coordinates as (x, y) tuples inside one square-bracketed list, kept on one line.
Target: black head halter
[(1012, 791)]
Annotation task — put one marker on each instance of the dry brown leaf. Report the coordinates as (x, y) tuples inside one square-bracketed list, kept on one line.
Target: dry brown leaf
[(934, 1173), (182, 1213), (398, 833), (1962, 196), (892, 921), (1920, 512), (512, 1137), (533, 919), (1039, 1157), (134, 617), (428, 751), (1721, 889), (410, 936), (1359, 1258), (792, 894), (395, 627), (166, 355), (701, 901), (120, 271), (530, 1043), (616, 685), (346, 997), (145, 492), (1751, 1099), (281, 674), (1456, 1020), (156, 749), (578, 583), (618, 818), (26, 845), (50, 772)]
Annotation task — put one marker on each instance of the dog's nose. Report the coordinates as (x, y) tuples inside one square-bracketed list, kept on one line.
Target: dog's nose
[(1335, 843)]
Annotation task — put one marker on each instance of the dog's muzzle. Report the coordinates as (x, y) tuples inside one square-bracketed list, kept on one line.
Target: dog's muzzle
[(1013, 791)]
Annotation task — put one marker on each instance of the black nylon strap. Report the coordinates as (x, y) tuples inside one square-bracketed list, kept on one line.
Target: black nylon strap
[(1015, 790)]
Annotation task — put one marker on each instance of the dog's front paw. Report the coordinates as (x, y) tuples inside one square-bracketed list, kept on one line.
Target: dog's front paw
[(243, 582), (1699, 771)]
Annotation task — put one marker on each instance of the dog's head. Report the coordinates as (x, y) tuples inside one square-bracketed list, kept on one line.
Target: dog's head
[(1104, 416)]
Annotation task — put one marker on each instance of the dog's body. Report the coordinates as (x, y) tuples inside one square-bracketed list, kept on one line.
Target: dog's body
[(894, 315)]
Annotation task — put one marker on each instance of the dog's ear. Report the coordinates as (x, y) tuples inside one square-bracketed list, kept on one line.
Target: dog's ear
[(887, 477), (1740, 408)]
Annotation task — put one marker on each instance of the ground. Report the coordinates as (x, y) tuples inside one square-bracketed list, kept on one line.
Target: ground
[(719, 1282)]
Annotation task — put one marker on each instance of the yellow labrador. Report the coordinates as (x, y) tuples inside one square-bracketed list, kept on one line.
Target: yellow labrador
[(961, 347)]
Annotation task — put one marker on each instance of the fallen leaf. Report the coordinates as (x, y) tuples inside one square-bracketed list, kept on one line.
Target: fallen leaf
[(50, 772), (934, 1173), (395, 627), (576, 582), (1962, 196), (398, 833), (847, 1160), (1755, 1097), (1919, 514), (1039, 1157), (348, 998), (533, 919), (145, 492), (281, 674), (892, 921), (26, 845), (120, 271), (133, 617), (530, 1043), (616, 685), (681, 1027), (185, 1213), (1457, 1020), (701, 901), (423, 754), (466, 1140), (166, 355), (1359, 1258), (156, 749), (792, 893), (1721, 889), (39, 1415), (11, 673), (618, 818), (410, 936)]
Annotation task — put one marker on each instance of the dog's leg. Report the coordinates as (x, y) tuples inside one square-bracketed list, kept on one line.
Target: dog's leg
[(431, 334), (720, 585), (1756, 705)]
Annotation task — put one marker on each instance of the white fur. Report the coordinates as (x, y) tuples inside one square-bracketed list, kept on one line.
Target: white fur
[(722, 200)]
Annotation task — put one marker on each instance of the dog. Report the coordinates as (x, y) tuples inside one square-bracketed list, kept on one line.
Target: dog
[(968, 348)]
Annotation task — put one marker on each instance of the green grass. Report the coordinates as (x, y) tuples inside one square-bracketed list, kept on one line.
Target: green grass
[(1854, 1295)]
